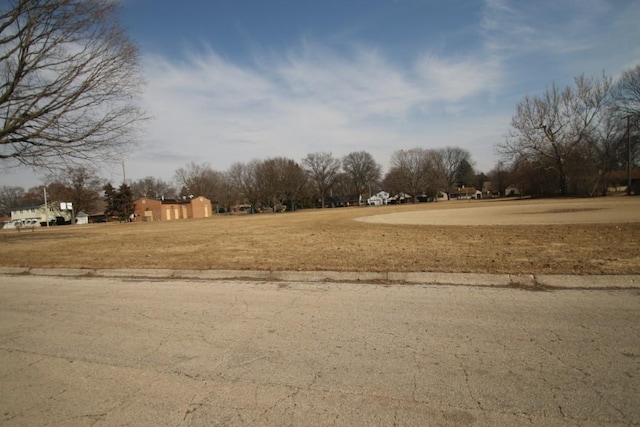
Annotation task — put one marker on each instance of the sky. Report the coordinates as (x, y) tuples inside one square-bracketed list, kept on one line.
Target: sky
[(235, 80)]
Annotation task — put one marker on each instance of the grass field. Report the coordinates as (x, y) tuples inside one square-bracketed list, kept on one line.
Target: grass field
[(573, 236)]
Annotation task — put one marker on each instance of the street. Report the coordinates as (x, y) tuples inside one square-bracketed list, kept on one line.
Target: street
[(101, 351)]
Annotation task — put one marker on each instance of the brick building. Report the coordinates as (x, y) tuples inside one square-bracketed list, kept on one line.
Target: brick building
[(150, 209)]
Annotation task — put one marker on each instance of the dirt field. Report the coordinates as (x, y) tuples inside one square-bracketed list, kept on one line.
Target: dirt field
[(581, 236), (579, 211)]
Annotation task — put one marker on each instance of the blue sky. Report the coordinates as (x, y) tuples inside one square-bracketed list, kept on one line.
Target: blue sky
[(236, 80)]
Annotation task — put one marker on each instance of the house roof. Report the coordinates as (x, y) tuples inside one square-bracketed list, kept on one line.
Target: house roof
[(28, 205), (465, 190), (166, 201), (622, 174)]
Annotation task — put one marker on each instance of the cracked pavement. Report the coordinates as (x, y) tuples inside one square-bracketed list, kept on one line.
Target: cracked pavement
[(111, 351)]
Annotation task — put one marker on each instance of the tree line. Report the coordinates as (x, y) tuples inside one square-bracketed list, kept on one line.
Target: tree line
[(570, 141), (318, 180)]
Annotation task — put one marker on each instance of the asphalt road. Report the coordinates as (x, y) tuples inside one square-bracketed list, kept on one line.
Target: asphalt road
[(99, 351)]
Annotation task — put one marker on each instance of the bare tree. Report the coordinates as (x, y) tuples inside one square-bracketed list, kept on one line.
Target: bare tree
[(362, 171), (436, 179), (199, 180), (627, 91), (448, 163), (34, 195), (530, 179), (80, 185), (281, 180), (499, 176), (549, 128), (10, 197), (243, 177), (152, 187), (410, 171), (393, 181), (322, 169), (338, 196), (228, 195), (607, 150), (69, 79), (294, 183)]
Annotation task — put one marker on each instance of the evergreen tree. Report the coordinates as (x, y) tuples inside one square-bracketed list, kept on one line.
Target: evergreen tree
[(119, 203)]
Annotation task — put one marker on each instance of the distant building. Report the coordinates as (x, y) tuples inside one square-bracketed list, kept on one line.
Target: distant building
[(512, 191), (617, 181), (37, 214), (82, 218), (379, 199), (465, 193), (399, 198), (151, 209)]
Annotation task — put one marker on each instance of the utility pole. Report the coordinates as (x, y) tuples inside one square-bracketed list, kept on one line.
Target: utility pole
[(628, 155), (46, 206)]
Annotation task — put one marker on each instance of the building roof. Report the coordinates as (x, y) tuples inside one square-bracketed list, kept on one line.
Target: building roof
[(622, 174), (28, 205), (465, 190), (173, 201)]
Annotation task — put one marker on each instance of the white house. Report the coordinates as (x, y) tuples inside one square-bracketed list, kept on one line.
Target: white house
[(82, 218), (400, 198), (36, 214), (379, 199)]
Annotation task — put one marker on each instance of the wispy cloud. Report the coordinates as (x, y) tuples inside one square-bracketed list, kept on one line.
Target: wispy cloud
[(548, 28), (309, 99), (456, 80)]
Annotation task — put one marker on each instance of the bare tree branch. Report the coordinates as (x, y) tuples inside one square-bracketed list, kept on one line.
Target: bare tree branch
[(554, 125), (70, 78), (362, 171), (323, 170)]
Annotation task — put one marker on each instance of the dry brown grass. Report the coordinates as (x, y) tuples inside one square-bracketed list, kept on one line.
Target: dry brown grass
[(332, 239)]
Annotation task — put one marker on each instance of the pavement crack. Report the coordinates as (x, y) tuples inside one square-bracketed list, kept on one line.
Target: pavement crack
[(291, 395), (247, 362), (415, 386), (466, 381), (193, 407)]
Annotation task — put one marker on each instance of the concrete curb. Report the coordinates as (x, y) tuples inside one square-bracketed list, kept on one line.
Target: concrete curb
[(149, 273), (221, 274), (68, 272), (542, 281), (604, 281)]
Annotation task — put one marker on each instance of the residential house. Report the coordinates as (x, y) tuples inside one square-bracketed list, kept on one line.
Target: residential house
[(399, 198), (465, 193), (151, 209), (378, 199), (36, 214), (618, 180)]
